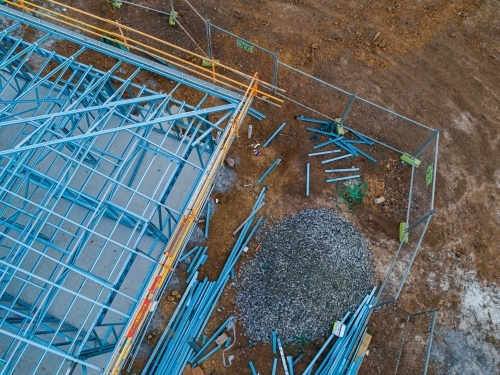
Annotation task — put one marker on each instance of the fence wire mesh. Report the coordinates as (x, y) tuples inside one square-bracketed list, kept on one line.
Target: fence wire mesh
[(416, 342)]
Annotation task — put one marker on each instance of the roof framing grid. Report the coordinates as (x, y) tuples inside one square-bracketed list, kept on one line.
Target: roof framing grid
[(101, 180)]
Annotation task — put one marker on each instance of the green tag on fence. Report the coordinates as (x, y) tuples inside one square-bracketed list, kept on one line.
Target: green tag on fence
[(247, 47), (429, 174)]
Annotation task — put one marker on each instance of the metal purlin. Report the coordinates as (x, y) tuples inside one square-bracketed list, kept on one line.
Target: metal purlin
[(61, 120)]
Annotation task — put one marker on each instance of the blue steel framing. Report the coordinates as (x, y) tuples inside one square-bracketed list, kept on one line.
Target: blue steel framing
[(91, 165)]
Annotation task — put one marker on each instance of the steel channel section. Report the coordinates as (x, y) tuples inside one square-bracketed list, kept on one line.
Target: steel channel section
[(81, 147)]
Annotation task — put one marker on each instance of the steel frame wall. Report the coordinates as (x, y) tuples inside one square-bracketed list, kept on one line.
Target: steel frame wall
[(101, 180)]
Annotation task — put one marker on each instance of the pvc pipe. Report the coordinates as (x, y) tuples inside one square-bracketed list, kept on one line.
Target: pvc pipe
[(342, 178), (271, 167), (337, 158), (274, 135), (342, 170), (252, 368), (207, 219), (308, 178), (273, 339)]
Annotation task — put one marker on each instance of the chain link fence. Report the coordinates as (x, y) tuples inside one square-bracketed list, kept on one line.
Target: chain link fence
[(416, 342)]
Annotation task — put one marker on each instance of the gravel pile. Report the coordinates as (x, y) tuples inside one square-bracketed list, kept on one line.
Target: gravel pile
[(312, 268)]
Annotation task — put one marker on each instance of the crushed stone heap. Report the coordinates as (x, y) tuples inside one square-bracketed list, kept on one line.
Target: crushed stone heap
[(312, 268)]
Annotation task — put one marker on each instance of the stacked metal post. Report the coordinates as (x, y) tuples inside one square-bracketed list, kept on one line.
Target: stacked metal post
[(340, 358), (347, 145), (173, 351)]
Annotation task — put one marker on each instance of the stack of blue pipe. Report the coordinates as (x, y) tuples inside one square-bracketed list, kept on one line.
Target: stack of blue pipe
[(173, 351), (340, 358), (340, 141)]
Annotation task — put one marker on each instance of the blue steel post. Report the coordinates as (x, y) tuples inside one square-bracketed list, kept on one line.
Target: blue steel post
[(308, 172)]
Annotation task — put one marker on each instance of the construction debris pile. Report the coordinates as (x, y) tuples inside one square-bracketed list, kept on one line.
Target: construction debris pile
[(311, 268)]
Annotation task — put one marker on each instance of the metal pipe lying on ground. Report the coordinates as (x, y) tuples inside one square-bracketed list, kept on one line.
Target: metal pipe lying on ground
[(209, 354), (342, 170), (274, 135), (366, 155), (330, 134), (283, 359), (273, 338), (290, 364), (185, 256), (308, 179), (308, 119), (211, 340), (342, 178), (330, 141), (337, 158), (252, 214), (252, 368), (272, 166), (323, 153), (207, 220), (275, 366)]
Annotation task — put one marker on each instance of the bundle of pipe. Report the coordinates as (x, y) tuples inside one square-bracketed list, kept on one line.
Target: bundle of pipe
[(346, 144), (340, 359), (178, 344), (173, 350)]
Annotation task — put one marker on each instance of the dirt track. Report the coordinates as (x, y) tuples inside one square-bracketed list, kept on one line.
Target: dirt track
[(437, 62)]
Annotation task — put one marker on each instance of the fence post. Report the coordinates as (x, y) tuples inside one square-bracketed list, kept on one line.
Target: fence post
[(209, 38), (275, 73)]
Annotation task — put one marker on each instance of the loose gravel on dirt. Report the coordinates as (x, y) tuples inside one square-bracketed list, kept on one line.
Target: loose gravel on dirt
[(312, 268)]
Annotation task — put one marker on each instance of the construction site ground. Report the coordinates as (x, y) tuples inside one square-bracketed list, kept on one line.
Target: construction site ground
[(437, 62)]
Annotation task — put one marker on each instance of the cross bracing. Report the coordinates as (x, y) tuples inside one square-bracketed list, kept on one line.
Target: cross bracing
[(97, 174)]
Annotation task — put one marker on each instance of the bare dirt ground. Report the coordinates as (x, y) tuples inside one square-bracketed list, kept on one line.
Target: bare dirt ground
[(437, 62)]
